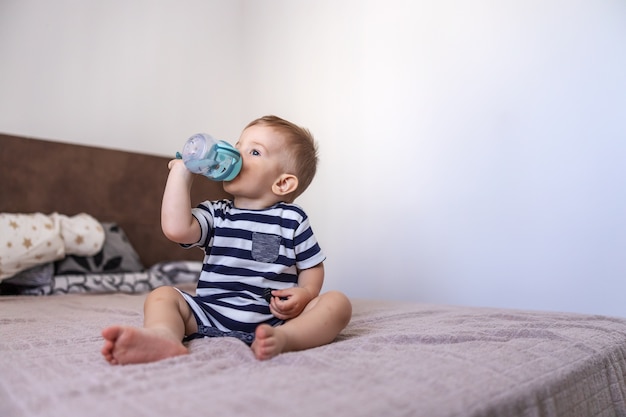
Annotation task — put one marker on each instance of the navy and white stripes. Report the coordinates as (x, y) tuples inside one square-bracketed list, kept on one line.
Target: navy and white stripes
[(246, 252)]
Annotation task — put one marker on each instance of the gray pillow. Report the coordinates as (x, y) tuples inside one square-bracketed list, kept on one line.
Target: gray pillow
[(32, 281), (117, 255)]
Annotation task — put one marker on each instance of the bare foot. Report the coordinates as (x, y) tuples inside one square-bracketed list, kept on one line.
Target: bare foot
[(268, 342), (124, 345)]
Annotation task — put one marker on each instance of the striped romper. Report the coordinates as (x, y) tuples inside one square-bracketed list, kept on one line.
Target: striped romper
[(247, 251)]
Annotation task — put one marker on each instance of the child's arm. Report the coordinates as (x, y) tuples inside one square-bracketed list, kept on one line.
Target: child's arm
[(312, 279), (176, 220), (289, 303)]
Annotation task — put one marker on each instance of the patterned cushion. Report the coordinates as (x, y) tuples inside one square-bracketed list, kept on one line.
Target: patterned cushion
[(117, 255)]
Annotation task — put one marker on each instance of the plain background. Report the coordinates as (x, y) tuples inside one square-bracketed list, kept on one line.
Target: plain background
[(472, 152)]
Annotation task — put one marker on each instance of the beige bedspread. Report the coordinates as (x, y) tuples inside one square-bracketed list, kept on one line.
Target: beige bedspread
[(394, 359)]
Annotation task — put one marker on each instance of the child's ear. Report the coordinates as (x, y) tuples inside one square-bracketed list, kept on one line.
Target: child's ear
[(285, 184)]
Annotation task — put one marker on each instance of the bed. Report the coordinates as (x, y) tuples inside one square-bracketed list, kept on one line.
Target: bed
[(393, 359)]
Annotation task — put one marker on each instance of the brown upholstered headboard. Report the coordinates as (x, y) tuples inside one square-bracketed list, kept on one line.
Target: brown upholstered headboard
[(111, 185)]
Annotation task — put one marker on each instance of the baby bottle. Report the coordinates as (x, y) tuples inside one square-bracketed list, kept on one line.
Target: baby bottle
[(215, 159)]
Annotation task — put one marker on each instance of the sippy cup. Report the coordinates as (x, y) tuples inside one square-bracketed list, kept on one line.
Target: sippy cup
[(215, 159)]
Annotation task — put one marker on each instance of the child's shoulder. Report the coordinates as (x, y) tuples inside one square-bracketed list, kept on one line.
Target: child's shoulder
[(291, 207), (222, 203), (217, 204), (282, 209)]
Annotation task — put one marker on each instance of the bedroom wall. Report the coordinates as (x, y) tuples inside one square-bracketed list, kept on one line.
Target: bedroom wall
[(140, 75), (471, 153)]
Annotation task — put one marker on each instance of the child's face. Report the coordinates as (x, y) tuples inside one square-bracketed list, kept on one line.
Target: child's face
[(263, 153)]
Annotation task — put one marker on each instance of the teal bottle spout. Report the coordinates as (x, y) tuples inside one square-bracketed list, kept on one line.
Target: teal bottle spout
[(215, 159)]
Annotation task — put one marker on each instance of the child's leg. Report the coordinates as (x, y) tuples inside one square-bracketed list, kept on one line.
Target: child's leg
[(167, 318), (319, 324)]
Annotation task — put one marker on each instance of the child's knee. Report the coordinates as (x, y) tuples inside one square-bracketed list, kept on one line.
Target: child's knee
[(163, 293), (341, 305)]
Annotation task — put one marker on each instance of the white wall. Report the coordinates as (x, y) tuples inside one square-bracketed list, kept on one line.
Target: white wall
[(140, 75), (472, 152)]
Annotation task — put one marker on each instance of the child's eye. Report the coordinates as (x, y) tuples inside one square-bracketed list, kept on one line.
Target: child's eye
[(255, 152)]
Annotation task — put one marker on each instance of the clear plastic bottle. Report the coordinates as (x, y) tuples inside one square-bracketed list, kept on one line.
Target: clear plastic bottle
[(216, 159)]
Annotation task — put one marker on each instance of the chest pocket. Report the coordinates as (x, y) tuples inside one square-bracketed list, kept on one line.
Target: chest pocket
[(265, 247)]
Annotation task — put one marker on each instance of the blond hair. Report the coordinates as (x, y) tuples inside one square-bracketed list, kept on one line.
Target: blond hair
[(301, 147)]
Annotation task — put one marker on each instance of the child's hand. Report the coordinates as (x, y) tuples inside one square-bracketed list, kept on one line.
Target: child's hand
[(179, 170), (174, 162), (289, 303)]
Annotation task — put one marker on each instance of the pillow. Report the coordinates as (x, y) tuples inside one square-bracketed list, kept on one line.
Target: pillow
[(117, 255), (35, 281), (82, 234), (40, 281), (126, 282), (27, 240), (123, 282), (179, 272), (33, 277)]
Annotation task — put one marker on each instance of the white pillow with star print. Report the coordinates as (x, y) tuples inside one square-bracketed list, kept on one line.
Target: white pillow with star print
[(82, 234), (28, 240)]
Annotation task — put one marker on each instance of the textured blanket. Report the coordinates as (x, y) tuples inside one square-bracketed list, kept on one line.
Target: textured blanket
[(394, 359)]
